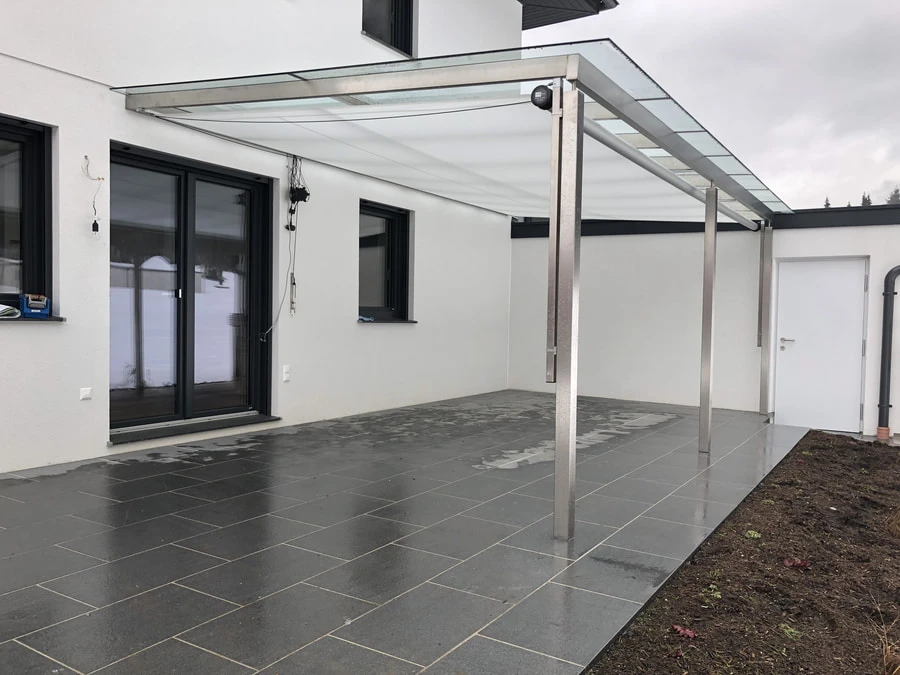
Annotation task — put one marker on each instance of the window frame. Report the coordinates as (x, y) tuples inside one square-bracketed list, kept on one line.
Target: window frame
[(397, 263), (36, 223), (402, 26)]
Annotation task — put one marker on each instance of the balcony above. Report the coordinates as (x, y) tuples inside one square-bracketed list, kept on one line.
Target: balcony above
[(537, 13)]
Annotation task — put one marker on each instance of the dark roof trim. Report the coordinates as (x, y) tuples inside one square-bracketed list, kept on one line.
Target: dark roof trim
[(536, 229), (854, 216), (536, 13)]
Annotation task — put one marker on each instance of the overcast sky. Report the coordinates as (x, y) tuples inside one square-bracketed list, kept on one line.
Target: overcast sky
[(805, 92)]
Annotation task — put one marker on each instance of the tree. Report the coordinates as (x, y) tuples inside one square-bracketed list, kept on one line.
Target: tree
[(827, 203), (894, 197), (849, 205), (866, 199)]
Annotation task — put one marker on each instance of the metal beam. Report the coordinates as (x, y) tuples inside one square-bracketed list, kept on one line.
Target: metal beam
[(553, 240), (610, 95), (616, 144), (765, 316), (569, 245), (707, 321), (474, 74)]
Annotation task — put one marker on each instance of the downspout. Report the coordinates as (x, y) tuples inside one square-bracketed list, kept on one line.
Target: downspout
[(887, 334)]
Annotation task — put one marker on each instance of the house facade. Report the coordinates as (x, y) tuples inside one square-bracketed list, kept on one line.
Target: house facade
[(206, 283)]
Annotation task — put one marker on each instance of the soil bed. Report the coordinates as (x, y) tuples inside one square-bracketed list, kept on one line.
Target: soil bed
[(828, 503)]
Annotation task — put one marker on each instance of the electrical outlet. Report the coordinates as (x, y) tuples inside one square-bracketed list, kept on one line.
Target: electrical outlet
[(87, 393), (286, 374)]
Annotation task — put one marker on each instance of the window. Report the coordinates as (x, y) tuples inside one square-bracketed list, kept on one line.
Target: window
[(390, 22), (383, 263), (24, 210)]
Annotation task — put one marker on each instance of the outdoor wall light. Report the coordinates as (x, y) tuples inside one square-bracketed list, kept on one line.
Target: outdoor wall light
[(542, 97)]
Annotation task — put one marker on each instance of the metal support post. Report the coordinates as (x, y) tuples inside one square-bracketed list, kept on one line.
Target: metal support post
[(765, 316), (707, 327), (569, 245)]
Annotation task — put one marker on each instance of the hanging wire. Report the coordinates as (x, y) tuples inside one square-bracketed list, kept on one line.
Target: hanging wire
[(344, 119), (86, 170)]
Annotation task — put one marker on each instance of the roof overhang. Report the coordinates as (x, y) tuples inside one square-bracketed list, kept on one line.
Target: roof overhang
[(537, 13), (462, 127)]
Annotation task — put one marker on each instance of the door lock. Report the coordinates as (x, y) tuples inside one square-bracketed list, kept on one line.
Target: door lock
[(783, 340)]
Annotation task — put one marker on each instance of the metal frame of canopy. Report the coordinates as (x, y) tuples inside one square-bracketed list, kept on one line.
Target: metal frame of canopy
[(574, 77)]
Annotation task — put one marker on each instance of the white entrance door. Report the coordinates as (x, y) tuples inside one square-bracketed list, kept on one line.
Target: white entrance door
[(819, 343)]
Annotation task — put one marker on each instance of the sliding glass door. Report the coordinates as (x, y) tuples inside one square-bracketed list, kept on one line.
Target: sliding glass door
[(188, 292)]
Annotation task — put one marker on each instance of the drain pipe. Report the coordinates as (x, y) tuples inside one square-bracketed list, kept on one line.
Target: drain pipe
[(887, 335)]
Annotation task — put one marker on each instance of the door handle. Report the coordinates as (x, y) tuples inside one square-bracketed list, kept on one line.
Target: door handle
[(783, 340)]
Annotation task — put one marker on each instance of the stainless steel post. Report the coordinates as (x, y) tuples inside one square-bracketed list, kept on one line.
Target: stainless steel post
[(765, 317), (571, 160), (707, 326)]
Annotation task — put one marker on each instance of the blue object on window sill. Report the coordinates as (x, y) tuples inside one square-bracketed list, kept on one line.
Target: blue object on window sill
[(365, 319)]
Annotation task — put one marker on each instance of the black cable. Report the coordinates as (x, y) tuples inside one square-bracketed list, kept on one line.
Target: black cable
[(344, 119)]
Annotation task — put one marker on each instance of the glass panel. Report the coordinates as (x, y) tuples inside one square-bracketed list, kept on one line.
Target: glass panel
[(10, 217), (672, 115), (729, 165), (747, 181), (373, 247), (705, 143), (221, 254), (143, 303), (764, 195), (377, 19)]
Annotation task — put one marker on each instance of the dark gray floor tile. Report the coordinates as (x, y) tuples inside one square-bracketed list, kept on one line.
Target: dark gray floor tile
[(544, 488), (97, 639), (383, 574), (480, 488), (124, 578), (330, 656), (260, 574), (50, 481), (24, 661), (734, 472), (355, 537), (599, 471), (567, 623), (637, 490), (425, 509), (659, 537), (539, 537), (232, 487), (514, 509), (250, 536), (624, 574), (525, 472), (44, 564), (714, 491), (503, 573), (223, 470), (237, 509), (173, 657), (612, 511), (691, 511), (333, 509), (149, 464), (398, 488), (16, 514), (269, 629), (308, 489), (147, 534), (146, 487), (482, 656), (438, 617), (119, 514), (663, 473), (452, 470), (459, 537), (46, 533), (32, 608), (377, 471)]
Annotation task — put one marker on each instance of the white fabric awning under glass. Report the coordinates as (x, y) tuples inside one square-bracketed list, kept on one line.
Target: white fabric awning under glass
[(463, 127)]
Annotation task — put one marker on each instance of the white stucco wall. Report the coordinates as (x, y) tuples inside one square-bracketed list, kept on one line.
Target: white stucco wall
[(460, 291), (150, 41), (881, 245), (640, 318)]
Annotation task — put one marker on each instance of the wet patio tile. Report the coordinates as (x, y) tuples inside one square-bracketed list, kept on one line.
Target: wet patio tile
[(425, 509), (355, 537), (333, 509), (659, 537), (539, 537), (125, 541), (513, 509), (308, 489), (46, 533), (20, 659), (398, 488), (237, 509), (330, 656), (32, 608), (119, 514), (637, 490), (174, 656), (480, 488), (691, 511), (482, 656), (611, 511), (459, 537), (44, 564), (236, 541)]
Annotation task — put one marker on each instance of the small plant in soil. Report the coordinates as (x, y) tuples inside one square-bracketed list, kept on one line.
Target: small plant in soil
[(768, 502), (790, 632), (752, 534)]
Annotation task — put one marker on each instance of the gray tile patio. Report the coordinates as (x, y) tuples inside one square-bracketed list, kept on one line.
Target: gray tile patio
[(405, 541)]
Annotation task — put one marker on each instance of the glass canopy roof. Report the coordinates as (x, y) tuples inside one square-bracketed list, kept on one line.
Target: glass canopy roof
[(462, 127)]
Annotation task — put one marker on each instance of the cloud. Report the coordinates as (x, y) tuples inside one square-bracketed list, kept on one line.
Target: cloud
[(806, 93)]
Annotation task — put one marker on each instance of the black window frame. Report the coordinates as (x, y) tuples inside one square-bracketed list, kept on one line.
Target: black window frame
[(401, 20), (260, 293), (36, 225), (397, 263)]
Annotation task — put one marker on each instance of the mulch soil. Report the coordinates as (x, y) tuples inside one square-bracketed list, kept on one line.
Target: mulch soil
[(803, 577)]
